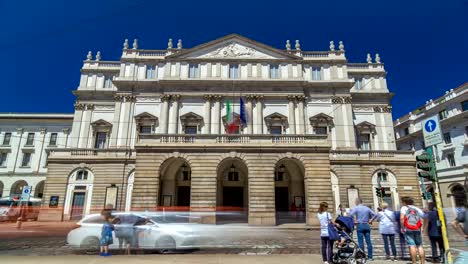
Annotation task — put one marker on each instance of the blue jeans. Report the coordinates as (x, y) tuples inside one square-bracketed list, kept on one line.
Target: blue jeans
[(363, 230), (327, 249), (386, 239)]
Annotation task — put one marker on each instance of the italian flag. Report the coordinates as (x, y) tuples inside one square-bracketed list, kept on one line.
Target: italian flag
[(231, 124)]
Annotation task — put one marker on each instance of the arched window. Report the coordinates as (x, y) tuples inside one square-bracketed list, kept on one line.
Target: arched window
[(382, 176), (81, 175)]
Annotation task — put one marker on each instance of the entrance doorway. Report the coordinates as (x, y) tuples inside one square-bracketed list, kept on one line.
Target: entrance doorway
[(77, 205), (232, 192), (289, 192), (183, 196)]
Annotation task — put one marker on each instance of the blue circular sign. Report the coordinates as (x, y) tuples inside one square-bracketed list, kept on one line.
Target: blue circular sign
[(430, 125)]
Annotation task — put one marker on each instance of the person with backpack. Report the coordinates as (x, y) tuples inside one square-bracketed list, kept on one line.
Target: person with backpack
[(411, 218), (434, 232), (386, 220)]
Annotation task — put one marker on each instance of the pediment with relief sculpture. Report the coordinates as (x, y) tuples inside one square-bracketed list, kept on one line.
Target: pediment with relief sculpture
[(234, 47)]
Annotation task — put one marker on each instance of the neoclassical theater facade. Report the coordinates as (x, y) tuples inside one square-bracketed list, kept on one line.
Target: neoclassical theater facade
[(150, 133)]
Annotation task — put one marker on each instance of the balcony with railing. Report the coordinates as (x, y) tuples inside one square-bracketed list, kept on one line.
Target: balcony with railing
[(243, 140), (101, 65), (90, 153), (372, 155), (365, 67)]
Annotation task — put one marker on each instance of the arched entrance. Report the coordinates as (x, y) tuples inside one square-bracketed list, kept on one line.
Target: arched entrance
[(458, 195), (17, 188), (290, 200), (232, 192), (175, 181), (79, 194), (128, 200), (39, 190), (385, 179)]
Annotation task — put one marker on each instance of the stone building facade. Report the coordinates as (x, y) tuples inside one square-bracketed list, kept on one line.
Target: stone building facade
[(150, 132), (24, 139), (452, 162)]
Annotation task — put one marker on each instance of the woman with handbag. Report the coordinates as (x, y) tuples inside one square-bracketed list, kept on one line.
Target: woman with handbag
[(386, 219), (325, 219)]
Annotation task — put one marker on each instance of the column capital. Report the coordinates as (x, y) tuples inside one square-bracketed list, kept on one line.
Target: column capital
[(291, 98), (208, 97), (43, 130), (300, 98), (130, 98), (217, 98), (79, 106), (89, 106), (165, 97), (175, 97), (19, 130), (66, 131), (341, 100), (386, 109), (118, 97), (258, 97), (250, 97)]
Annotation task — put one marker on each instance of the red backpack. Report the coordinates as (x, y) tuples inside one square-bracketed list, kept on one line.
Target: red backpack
[(412, 219)]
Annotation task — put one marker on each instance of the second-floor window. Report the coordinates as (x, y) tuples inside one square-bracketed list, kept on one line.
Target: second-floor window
[(451, 160), (382, 176), (191, 130), (233, 71), (26, 162), (151, 72), (193, 71), (53, 139), (107, 81), (146, 129), (464, 105), (320, 130), (7, 139), (364, 142), (30, 139), (358, 83), (316, 73), (276, 130), (406, 131), (447, 138), (3, 159), (101, 138), (274, 72), (443, 114), (233, 176)]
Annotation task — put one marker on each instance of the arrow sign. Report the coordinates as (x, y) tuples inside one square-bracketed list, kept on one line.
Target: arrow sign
[(431, 131)]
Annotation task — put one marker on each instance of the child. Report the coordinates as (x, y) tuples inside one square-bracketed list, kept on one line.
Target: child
[(106, 234)]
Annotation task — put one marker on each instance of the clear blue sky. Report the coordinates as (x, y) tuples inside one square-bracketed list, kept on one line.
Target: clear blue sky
[(424, 44)]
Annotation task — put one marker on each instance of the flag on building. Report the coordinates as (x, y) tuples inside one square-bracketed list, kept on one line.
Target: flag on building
[(230, 122), (243, 115)]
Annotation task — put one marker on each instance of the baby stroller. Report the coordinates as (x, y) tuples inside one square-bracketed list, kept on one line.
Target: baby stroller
[(349, 251)]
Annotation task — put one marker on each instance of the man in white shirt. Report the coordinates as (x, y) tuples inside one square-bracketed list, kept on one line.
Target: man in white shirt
[(411, 219)]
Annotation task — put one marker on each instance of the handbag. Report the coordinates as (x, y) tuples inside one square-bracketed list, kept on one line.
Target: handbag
[(332, 233)]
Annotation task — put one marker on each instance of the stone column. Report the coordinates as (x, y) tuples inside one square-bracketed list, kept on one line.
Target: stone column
[(164, 113), (249, 110), (216, 121), (76, 126), (173, 123), (125, 120), (87, 133), (292, 114), (300, 111), (207, 121), (116, 122), (259, 109)]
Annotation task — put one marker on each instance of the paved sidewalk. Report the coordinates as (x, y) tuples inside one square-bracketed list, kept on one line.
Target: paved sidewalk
[(166, 259)]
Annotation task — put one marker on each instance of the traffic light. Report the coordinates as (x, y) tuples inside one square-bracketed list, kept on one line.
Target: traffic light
[(425, 163), (426, 195), (378, 192), (382, 191)]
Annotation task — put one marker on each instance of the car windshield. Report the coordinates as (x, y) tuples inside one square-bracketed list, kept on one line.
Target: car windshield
[(4, 203), (170, 219)]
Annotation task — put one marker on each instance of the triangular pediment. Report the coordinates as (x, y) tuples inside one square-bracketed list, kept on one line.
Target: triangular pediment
[(101, 122), (234, 47), (365, 124)]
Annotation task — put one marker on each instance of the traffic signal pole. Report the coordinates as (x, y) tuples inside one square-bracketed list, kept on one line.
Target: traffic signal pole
[(431, 154)]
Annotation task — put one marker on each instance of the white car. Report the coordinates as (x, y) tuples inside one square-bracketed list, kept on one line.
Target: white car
[(151, 231)]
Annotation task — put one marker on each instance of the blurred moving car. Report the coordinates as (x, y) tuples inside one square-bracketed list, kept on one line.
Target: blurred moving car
[(163, 232), (10, 209)]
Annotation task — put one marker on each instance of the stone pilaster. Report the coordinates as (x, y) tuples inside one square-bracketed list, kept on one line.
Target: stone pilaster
[(216, 121), (249, 110), (207, 119), (77, 123), (301, 124), (164, 113), (258, 123), (116, 121), (174, 116), (292, 114), (86, 132)]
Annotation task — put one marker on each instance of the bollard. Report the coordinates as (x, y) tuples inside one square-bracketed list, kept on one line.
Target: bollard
[(19, 222)]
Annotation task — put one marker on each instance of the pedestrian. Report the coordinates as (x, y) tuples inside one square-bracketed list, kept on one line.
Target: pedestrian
[(106, 233), (434, 232), (294, 210), (363, 219), (460, 224), (386, 219), (325, 218), (401, 235), (411, 218), (125, 232)]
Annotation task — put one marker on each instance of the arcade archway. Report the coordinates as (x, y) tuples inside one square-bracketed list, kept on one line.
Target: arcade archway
[(175, 182)]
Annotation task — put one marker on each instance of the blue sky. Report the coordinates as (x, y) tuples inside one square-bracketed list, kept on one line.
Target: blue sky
[(43, 43)]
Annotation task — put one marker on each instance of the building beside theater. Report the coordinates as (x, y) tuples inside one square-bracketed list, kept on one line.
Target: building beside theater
[(24, 139), (150, 132), (452, 162)]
